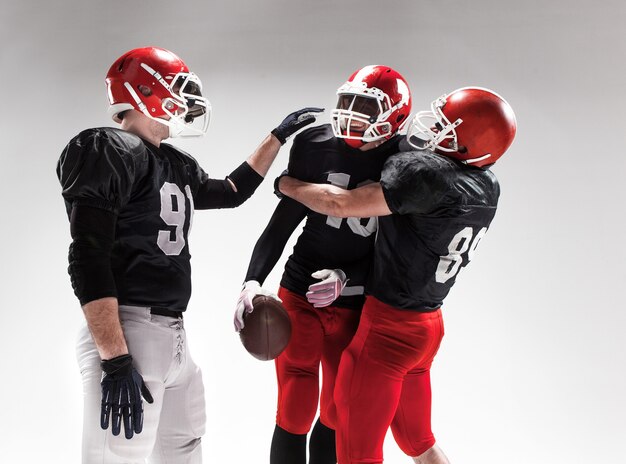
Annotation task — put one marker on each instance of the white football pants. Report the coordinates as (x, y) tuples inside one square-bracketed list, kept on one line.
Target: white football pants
[(174, 423)]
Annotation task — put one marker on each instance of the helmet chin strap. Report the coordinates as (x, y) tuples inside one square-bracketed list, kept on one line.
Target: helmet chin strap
[(173, 131)]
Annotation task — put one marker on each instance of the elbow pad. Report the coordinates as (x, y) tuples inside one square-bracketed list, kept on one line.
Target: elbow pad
[(93, 234), (246, 180)]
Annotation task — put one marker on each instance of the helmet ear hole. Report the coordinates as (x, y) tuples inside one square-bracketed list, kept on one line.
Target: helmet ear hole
[(145, 90), (400, 118), (462, 149)]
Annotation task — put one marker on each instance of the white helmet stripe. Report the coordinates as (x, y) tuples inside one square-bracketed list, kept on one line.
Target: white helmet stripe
[(403, 90), (358, 77)]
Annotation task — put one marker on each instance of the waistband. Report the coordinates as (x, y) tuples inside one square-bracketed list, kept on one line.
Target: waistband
[(373, 303), (154, 310)]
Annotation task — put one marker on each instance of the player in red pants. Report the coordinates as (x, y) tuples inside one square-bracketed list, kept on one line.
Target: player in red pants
[(320, 337), (434, 204), (373, 105), (390, 358)]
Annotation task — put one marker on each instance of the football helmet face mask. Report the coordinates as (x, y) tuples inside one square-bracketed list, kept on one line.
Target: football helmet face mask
[(471, 124), (159, 84), (373, 104)]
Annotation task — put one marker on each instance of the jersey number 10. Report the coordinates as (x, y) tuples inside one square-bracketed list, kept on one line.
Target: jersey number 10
[(450, 264), (342, 180)]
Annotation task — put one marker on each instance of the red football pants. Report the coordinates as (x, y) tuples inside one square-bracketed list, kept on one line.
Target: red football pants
[(318, 335), (384, 380)]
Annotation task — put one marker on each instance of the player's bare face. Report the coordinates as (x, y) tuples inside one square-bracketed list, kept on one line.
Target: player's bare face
[(366, 106)]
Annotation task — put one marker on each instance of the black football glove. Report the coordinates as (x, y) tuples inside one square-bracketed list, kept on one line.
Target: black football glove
[(294, 122), (277, 191), (122, 388)]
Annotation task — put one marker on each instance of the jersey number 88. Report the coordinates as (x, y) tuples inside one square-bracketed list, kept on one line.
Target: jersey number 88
[(450, 264)]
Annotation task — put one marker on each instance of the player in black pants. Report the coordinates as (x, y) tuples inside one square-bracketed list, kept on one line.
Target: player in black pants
[(130, 199), (435, 204), (373, 105)]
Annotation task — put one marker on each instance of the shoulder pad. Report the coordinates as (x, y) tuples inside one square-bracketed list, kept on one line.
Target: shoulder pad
[(315, 134), (99, 166)]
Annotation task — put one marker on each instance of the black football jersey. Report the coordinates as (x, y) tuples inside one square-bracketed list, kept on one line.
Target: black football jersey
[(325, 242), (442, 209), (153, 191)]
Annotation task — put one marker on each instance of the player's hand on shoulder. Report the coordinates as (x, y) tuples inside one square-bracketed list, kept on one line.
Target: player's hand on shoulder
[(323, 293), (250, 289), (294, 122), (122, 389)]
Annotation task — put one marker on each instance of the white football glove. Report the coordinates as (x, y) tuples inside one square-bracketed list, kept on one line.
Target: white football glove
[(329, 289), (244, 305)]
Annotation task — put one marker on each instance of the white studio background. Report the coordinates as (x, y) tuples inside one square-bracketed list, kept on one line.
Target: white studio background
[(532, 366)]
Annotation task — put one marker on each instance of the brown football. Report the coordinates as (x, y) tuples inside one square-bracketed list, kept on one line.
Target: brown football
[(267, 329)]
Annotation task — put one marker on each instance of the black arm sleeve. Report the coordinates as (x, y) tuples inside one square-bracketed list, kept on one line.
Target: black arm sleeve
[(93, 233), (271, 243), (246, 180), (214, 193)]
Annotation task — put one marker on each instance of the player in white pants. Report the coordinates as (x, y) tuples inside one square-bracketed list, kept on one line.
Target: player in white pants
[(175, 421), (130, 200)]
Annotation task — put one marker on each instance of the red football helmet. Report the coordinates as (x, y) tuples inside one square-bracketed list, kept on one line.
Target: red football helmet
[(471, 124), (159, 84), (373, 104)]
